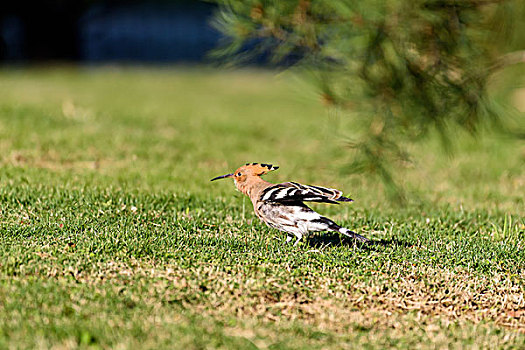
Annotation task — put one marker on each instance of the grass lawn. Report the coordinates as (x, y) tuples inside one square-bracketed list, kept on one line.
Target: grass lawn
[(112, 236)]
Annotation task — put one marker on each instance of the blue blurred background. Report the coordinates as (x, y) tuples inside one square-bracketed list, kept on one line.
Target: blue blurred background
[(105, 31)]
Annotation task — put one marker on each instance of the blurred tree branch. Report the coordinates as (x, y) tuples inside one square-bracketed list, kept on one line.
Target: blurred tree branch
[(400, 67), (509, 59)]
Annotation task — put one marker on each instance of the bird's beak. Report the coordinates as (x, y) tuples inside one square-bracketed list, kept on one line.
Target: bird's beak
[(222, 177)]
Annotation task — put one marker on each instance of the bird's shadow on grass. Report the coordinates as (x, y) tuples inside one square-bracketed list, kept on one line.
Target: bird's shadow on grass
[(335, 240)]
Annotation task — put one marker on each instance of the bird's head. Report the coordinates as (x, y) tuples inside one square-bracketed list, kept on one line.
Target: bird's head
[(243, 175)]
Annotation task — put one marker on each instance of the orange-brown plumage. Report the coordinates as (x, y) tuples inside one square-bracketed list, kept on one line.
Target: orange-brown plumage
[(281, 206)]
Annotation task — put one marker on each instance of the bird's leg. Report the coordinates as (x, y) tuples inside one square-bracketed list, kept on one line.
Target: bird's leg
[(299, 236)]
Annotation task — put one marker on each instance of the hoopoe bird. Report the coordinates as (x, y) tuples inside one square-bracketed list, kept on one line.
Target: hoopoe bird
[(281, 206)]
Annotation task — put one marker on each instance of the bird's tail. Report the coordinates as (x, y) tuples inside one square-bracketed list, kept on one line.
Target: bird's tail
[(352, 235), (329, 225)]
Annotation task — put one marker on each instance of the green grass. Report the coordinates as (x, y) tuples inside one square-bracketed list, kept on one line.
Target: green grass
[(112, 236)]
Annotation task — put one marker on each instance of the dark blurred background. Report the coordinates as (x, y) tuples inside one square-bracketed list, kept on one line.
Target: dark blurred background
[(96, 31)]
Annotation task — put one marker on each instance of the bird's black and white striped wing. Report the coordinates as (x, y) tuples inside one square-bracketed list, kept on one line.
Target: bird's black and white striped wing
[(293, 192)]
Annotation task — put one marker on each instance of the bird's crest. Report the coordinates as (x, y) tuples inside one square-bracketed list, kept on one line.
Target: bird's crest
[(259, 168)]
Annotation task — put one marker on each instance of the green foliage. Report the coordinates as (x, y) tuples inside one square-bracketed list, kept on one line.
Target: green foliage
[(400, 67)]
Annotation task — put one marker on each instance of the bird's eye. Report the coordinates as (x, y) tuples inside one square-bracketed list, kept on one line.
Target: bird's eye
[(238, 174)]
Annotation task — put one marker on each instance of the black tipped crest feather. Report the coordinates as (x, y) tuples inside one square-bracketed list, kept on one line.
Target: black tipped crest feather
[(270, 167)]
